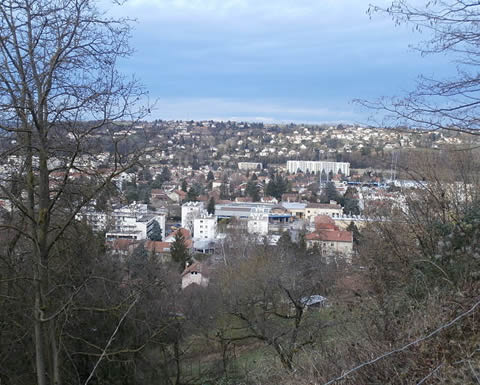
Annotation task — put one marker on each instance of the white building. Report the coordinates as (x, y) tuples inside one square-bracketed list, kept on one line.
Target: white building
[(205, 226), (190, 211), (257, 223), (196, 273), (133, 222), (318, 166), (249, 166)]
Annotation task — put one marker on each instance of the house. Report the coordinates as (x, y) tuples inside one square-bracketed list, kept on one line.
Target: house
[(123, 247), (269, 199), (295, 208), (290, 197), (197, 273), (159, 249), (177, 195), (330, 239)]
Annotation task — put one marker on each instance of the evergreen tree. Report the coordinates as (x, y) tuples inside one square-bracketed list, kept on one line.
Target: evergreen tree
[(350, 206), (329, 193), (137, 261), (156, 232), (210, 176), (179, 251), (165, 176), (192, 195), (324, 176), (224, 193), (253, 191), (211, 206), (277, 186), (356, 233), (184, 186)]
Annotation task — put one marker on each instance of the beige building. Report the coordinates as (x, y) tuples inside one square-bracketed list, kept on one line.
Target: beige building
[(332, 209), (330, 239)]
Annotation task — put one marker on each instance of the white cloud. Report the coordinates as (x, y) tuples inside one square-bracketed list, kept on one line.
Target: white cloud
[(252, 110)]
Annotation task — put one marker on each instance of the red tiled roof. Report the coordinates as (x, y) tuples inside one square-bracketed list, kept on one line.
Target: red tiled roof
[(198, 267), (324, 222), (157, 246), (122, 244), (330, 236)]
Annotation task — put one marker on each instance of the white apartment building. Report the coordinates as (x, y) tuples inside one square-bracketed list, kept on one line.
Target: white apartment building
[(133, 222), (96, 219), (190, 211), (205, 226), (317, 166)]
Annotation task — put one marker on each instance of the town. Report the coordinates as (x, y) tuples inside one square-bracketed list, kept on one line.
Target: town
[(242, 192), (196, 182)]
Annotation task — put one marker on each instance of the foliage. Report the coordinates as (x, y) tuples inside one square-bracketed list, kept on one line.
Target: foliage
[(329, 193), (179, 251), (253, 190), (211, 206), (155, 232), (276, 186), (192, 195)]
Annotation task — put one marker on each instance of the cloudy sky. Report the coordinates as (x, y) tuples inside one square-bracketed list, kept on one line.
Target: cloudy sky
[(270, 60)]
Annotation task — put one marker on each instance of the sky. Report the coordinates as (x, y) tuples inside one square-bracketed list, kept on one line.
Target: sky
[(298, 61)]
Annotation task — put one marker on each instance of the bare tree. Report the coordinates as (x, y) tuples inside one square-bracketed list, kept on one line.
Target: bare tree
[(60, 99), (266, 296), (452, 103)]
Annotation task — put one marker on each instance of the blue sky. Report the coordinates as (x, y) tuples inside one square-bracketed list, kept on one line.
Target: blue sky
[(270, 60)]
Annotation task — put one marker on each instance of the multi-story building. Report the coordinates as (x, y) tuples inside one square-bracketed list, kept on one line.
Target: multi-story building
[(330, 239), (133, 222), (190, 211), (205, 226), (293, 166)]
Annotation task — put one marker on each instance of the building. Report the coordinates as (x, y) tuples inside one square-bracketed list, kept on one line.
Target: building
[(249, 166), (331, 242), (296, 208), (257, 222), (205, 226), (96, 219), (133, 222), (197, 273), (331, 209), (330, 239), (243, 210), (293, 166), (190, 211)]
